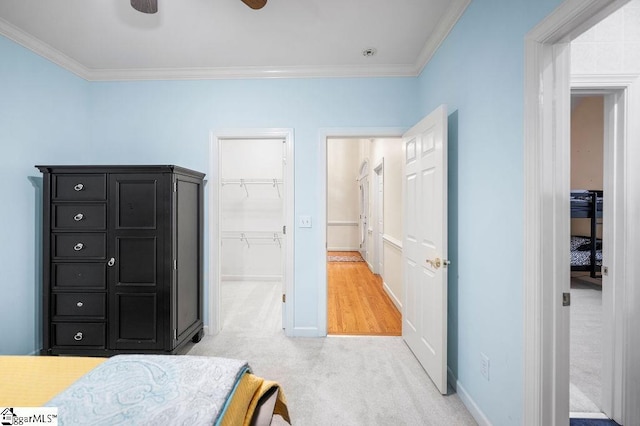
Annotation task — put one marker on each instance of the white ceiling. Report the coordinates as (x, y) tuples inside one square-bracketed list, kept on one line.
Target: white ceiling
[(109, 40)]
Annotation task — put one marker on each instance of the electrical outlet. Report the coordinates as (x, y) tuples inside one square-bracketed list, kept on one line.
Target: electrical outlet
[(484, 366), (304, 221)]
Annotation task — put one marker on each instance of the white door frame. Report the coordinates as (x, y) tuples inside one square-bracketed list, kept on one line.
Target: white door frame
[(546, 207), (364, 201), (321, 250), (214, 324), (614, 89)]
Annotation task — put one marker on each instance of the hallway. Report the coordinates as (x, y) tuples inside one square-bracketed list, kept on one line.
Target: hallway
[(357, 303)]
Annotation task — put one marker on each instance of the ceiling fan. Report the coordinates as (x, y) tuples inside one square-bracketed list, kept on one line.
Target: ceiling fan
[(151, 6)]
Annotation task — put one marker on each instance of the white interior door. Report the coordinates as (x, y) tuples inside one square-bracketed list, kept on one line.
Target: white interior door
[(424, 319), (379, 218), (364, 215)]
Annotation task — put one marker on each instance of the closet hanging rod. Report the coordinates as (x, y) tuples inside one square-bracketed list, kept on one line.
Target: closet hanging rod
[(251, 181), (242, 236), (244, 182)]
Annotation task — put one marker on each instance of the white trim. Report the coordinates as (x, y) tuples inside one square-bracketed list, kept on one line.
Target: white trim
[(619, 92), (265, 278), (393, 242), (471, 405), (234, 73), (343, 248), (546, 124), (440, 33), (342, 223), (214, 225), (321, 249), (578, 415), (42, 49), (392, 296)]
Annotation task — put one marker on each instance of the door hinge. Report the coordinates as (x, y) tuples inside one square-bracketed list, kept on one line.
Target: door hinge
[(175, 334), (605, 270), (566, 299), (284, 230), (284, 298)]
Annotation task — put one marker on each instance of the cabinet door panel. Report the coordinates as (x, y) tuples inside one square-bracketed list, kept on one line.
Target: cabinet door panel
[(136, 203), (135, 325), (136, 261), (138, 222)]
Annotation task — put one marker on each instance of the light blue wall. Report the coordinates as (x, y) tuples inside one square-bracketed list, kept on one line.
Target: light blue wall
[(478, 73), (43, 118), (170, 122), (50, 116)]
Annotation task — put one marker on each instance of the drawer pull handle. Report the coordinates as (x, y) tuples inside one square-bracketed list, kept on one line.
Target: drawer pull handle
[(78, 247), (111, 261), (79, 304), (78, 336), (78, 217), (79, 187)]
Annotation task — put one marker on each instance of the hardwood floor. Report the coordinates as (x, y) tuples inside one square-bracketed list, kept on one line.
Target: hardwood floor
[(357, 304)]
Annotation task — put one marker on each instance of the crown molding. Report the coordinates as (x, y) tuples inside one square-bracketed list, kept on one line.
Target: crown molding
[(37, 46), (440, 33), (42, 49), (249, 72)]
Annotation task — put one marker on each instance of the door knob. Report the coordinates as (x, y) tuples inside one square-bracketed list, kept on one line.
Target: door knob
[(435, 263)]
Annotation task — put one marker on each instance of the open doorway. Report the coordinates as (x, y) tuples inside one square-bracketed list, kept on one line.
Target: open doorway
[(587, 173), (364, 281), (251, 231)]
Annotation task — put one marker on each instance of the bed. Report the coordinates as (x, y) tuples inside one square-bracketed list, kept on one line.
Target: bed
[(586, 251), (141, 389)]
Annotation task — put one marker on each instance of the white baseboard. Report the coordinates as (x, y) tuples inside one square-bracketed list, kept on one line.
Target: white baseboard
[(471, 405), (392, 296), (343, 249), (251, 278)]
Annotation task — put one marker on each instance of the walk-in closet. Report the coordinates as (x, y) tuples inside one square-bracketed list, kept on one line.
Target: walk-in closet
[(252, 242)]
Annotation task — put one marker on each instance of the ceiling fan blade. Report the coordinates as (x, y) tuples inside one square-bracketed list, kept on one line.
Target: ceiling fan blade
[(145, 6), (253, 4)]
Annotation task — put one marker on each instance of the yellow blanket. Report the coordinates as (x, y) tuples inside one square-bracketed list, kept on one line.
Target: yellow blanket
[(246, 397), (30, 381)]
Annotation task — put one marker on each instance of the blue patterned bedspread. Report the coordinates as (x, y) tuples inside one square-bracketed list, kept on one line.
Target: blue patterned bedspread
[(151, 390)]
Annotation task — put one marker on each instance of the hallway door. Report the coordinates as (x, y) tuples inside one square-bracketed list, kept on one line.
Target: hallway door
[(424, 320)]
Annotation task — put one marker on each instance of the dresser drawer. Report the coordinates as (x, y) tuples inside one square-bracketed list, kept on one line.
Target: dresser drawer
[(80, 245), (79, 334), (79, 187), (79, 275), (79, 305), (79, 216)]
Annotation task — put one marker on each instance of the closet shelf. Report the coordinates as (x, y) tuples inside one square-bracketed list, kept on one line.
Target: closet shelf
[(244, 183), (246, 237)]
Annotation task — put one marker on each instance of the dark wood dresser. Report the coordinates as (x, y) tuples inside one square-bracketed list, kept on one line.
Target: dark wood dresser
[(122, 259)]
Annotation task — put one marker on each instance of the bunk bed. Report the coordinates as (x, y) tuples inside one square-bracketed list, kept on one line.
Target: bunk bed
[(586, 251)]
